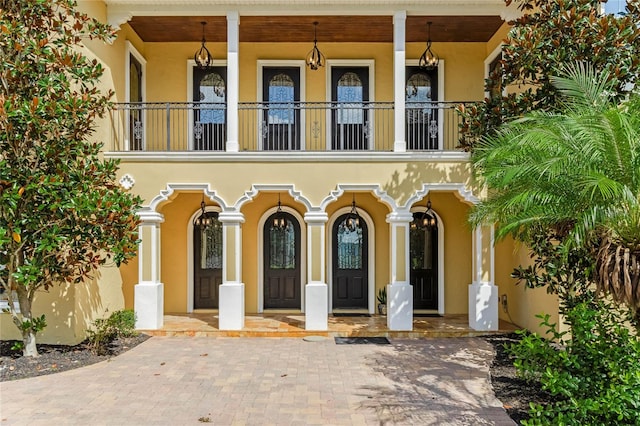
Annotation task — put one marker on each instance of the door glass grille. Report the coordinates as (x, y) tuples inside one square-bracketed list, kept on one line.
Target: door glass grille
[(349, 247)]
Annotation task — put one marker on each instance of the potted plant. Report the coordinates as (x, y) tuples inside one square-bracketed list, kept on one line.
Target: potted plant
[(382, 301)]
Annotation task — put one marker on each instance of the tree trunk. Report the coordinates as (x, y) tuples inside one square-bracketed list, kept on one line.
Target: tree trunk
[(25, 299), (29, 341)]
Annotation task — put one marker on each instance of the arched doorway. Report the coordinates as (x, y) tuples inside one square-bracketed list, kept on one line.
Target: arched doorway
[(423, 247), (207, 263), (282, 263), (350, 260)]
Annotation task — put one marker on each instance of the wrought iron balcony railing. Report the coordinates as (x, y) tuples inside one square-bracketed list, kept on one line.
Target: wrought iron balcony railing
[(296, 126)]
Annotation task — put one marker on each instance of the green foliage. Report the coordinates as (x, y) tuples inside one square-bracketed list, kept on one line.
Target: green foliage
[(592, 372), (548, 35), (119, 324), (382, 296), (62, 212)]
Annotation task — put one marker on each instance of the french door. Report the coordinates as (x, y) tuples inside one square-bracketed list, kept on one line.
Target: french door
[(421, 112), (282, 264), (350, 265), (349, 112), (210, 109), (281, 114)]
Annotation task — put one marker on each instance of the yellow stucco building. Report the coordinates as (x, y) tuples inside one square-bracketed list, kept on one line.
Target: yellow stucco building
[(314, 183)]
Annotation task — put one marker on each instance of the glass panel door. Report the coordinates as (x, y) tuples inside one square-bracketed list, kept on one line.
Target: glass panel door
[(281, 117), (210, 109), (349, 115), (421, 109)]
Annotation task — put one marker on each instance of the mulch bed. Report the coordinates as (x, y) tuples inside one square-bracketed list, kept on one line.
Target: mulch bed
[(56, 358)]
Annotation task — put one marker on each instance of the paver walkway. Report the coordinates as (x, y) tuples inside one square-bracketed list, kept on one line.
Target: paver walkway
[(267, 381)]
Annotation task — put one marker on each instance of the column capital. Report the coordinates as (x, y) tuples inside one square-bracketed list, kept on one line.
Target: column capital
[(231, 217), (149, 217), (316, 217), (400, 15), (400, 217)]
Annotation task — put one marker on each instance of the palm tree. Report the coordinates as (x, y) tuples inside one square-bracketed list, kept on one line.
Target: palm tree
[(575, 175)]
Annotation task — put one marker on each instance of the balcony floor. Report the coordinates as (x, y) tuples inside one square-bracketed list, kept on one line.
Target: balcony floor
[(292, 325)]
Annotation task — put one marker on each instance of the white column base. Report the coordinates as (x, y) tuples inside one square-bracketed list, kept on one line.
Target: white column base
[(316, 311), (399, 146), (231, 306), (400, 307), (483, 306), (232, 146), (149, 305)]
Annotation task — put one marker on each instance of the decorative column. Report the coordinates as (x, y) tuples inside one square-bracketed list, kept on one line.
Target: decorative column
[(231, 300), (483, 293), (316, 303), (233, 82), (399, 291), (149, 292), (399, 59)]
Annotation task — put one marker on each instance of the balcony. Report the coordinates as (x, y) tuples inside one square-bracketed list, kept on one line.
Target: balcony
[(297, 126)]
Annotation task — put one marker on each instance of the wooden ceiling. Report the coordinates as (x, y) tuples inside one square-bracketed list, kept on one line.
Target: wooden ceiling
[(338, 29)]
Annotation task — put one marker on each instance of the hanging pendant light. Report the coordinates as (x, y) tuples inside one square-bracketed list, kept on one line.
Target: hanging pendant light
[(203, 220), (352, 221), (315, 58), (428, 60), (428, 220), (202, 56), (279, 219)]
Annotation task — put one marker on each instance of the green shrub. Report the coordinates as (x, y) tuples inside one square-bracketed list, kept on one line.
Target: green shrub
[(105, 330), (593, 373)]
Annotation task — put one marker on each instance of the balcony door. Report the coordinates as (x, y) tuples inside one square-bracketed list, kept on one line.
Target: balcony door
[(210, 108), (136, 116), (350, 265), (207, 249), (421, 95), (423, 276), (349, 115), (282, 285), (281, 115)]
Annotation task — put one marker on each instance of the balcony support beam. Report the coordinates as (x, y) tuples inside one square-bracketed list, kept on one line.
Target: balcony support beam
[(399, 60)]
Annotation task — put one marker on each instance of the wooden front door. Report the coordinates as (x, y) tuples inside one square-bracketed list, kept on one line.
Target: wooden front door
[(282, 264), (423, 247), (281, 116), (349, 114), (350, 266), (207, 266), (210, 109), (421, 114)]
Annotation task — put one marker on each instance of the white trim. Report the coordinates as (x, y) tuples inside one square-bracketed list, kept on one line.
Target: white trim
[(303, 253), (191, 64), (290, 63), (441, 281), (190, 255), (370, 64), (371, 253), (130, 50), (288, 156)]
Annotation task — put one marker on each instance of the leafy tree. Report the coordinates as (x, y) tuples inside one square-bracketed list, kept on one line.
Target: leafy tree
[(549, 34), (561, 182), (62, 213)]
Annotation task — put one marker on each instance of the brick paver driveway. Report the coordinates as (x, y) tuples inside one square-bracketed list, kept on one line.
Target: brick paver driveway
[(267, 381)]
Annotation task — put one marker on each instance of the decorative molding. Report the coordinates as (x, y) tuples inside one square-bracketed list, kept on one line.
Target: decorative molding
[(288, 156), (165, 194), (127, 181), (373, 188), (461, 189), (256, 189), (316, 217), (400, 216), (148, 217)]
